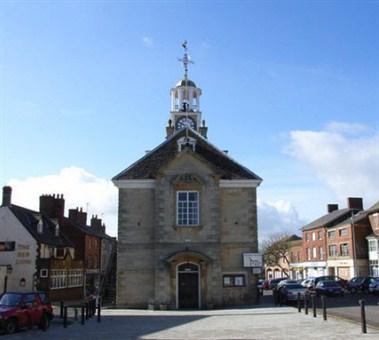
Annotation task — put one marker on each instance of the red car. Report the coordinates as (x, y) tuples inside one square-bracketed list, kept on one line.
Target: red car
[(18, 310)]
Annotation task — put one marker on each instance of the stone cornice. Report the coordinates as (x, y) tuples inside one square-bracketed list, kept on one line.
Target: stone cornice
[(239, 183), (134, 183)]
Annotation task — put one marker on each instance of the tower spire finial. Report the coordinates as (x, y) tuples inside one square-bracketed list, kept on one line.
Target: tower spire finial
[(185, 60)]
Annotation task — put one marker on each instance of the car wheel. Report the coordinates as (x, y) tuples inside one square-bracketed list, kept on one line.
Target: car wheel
[(365, 291), (11, 326), (45, 322)]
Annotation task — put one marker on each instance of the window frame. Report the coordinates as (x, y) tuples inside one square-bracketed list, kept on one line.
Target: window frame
[(233, 283), (372, 248), (345, 249), (187, 220), (333, 246)]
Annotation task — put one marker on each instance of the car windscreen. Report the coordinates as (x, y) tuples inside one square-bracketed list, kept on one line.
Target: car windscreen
[(331, 284), (294, 286), (10, 299)]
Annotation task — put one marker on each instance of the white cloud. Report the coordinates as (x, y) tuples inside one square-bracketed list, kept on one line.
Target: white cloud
[(80, 189), (148, 42), (343, 156), (277, 217)]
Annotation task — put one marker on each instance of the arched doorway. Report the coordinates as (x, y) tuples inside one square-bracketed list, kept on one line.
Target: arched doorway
[(188, 285)]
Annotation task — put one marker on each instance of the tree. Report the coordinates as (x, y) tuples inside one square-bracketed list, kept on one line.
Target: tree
[(275, 251)]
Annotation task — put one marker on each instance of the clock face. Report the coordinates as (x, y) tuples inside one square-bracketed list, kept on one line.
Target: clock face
[(185, 122)]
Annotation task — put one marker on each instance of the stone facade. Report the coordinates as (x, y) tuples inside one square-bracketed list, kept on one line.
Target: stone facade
[(151, 245)]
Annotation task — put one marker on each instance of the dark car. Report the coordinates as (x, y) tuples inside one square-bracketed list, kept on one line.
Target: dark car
[(18, 310), (359, 284), (331, 288), (342, 282), (274, 282)]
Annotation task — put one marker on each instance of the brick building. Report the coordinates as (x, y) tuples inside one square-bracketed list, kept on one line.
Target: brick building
[(334, 244), (187, 214), (37, 255), (373, 240)]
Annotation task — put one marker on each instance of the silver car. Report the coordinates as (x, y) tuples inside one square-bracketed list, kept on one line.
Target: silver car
[(373, 286), (290, 292)]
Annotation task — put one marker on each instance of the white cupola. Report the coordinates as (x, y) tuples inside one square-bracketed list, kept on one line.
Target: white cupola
[(185, 103)]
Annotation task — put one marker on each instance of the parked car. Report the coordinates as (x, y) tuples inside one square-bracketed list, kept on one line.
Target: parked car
[(18, 310), (359, 283), (260, 285), (328, 288), (290, 291), (373, 286), (308, 283), (341, 281), (273, 282), (265, 285), (285, 282)]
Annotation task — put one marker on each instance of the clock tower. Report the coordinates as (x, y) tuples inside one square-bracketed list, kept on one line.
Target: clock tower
[(185, 103)]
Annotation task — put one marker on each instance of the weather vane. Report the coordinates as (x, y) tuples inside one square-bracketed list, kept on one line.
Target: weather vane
[(185, 60)]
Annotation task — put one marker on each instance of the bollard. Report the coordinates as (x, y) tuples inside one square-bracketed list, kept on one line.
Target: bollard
[(98, 311), (275, 296), (61, 311), (323, 303), (76, 314), (306, 303), (65, 317), (299, 302), (82, 314), (313, 298), (363, 316), (87, 311)]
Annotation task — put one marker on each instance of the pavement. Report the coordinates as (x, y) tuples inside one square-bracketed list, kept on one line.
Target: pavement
[(263, 322)]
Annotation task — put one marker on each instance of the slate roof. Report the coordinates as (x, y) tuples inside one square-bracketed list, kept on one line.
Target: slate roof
[(331, 219), (148, 166), (373, 209), (29, 219), (86, 229), (360, 215)]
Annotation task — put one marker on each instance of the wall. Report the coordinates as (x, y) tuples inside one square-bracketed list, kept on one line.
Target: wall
[(148, 236), (23, 259)]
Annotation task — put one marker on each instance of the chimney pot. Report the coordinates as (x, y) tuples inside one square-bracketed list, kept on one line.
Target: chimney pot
[(331, 207), (355, 203), (7, 195)]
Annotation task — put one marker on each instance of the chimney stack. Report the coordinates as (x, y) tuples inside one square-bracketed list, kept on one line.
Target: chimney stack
[(52, 205), (7, 196), (78, 216), (95, 222), (331, 207), (355, 203)]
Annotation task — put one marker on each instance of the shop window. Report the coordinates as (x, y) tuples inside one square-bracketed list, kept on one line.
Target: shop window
[(75, 278), (234, 280), (58, 278)]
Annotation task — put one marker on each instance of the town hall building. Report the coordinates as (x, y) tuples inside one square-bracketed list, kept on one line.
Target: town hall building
[(187, 214)]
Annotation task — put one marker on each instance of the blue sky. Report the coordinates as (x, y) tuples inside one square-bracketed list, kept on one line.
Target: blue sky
[(290, 88)]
